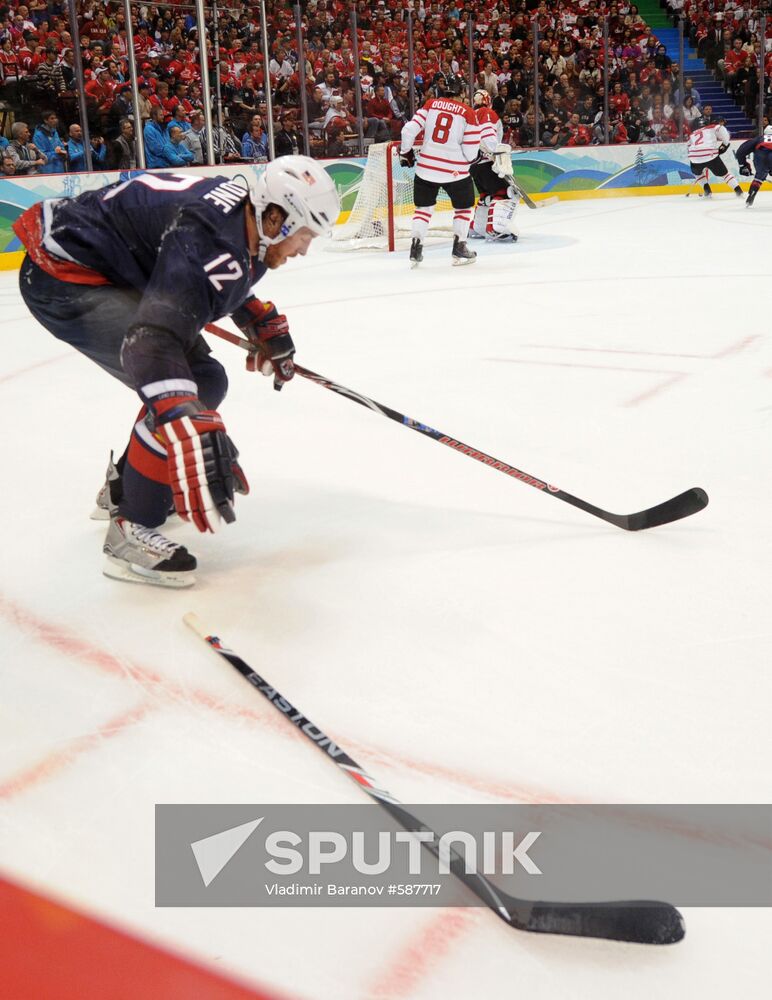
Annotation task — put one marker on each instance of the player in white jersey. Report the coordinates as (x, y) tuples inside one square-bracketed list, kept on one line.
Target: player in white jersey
[(705, 148), (451, 141), (494, 216)]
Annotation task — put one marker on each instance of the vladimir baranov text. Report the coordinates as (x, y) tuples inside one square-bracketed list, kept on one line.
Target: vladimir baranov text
[(334, 889)]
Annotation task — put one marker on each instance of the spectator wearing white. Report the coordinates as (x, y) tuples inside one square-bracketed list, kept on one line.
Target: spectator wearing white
[(280, 67), (489, 80), (329, 87), (555, 63), (692, 115)]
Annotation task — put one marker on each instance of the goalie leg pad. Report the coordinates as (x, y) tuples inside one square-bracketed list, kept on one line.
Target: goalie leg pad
[(495, 219), (504, 218)]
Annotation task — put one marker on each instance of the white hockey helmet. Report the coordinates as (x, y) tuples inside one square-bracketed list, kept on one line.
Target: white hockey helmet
[(481, 99), (303, 189), (768, 133)]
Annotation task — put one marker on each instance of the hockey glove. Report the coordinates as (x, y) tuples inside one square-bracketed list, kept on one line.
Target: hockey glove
[(745, 170), (723, 148), (202, 462), (407, 159), (502, 160), (268, 331)]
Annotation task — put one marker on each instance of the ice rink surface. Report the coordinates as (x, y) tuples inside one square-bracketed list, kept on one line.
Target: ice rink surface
[(465, 637)]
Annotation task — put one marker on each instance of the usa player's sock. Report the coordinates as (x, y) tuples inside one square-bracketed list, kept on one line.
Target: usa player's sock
[(421, 219), (146, 494), (461, 220)]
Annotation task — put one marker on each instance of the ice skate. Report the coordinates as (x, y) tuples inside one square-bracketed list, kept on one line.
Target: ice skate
[(142, 555), (751, 196), (109, 495), (416, 252), (461, 253), (738, 191), (708, 191)]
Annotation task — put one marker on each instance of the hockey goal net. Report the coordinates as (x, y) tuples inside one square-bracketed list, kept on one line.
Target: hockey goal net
[(383, 211)]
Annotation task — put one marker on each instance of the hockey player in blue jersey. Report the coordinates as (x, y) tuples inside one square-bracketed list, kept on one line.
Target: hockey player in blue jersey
[(129, 275), (761, 150)]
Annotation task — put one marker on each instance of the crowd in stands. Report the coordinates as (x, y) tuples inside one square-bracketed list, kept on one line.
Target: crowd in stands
[(727, 34), (38, 75)]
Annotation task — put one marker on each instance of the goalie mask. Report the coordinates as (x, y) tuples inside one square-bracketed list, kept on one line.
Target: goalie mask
[(301, 188), (768, 133), (481, 99)]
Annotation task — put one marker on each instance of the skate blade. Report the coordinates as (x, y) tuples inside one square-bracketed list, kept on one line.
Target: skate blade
[(460, 261), (118, 569), (414, 263)]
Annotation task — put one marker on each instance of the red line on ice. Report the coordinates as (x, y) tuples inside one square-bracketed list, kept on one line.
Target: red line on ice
[(66, 643), (423, 951), (52, 763), (30, 368)]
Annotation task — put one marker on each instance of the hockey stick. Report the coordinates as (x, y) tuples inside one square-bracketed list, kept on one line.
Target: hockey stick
[(699, 179), (640, 921), (683, 505), (543, 203)]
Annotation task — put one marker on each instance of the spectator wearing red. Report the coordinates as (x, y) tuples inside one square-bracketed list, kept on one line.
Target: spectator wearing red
[(618, 100), (378, 107)]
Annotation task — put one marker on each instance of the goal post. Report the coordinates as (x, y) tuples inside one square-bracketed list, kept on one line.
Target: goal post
[(383, 211)]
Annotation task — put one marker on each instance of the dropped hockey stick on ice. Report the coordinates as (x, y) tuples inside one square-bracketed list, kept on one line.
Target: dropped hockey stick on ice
[(639, 921), (683, 505), (700, 179)]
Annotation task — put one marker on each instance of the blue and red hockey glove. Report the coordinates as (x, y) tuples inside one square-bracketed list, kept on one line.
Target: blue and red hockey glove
[(268, 332), (202, 461)]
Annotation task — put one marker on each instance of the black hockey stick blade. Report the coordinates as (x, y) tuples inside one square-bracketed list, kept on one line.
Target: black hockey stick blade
[(644, 922), (639, 922), (684, 505)]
